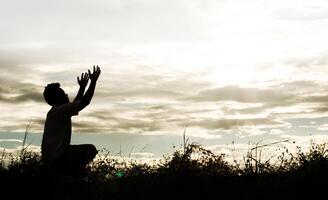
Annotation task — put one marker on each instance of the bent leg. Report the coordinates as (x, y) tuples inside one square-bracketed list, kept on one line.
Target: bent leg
[(79, 156)]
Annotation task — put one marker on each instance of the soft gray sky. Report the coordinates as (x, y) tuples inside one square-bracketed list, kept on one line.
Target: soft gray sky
[(232, 70)]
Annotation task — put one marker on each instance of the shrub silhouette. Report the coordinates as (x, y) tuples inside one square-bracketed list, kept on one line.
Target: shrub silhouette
[(196, 160), (192, 173)]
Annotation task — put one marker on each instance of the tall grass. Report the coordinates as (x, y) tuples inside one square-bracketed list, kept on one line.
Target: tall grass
[(189, 172), (192, 159)]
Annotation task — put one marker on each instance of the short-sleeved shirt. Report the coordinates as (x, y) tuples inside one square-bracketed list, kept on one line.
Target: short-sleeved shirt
[(58, 130)]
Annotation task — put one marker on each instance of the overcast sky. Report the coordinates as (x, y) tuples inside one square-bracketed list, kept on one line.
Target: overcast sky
[(228, 69)]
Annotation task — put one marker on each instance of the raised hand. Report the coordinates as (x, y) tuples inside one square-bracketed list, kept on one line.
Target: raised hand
[(95, 74), (83, 81)]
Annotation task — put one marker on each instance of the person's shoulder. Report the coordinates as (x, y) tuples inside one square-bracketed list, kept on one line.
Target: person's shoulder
[(69, 105), (51, 110), (50, 114), (70, 109), (65, 105)]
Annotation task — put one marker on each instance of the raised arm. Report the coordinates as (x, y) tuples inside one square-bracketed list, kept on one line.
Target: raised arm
[(83, 82), (86, 99)]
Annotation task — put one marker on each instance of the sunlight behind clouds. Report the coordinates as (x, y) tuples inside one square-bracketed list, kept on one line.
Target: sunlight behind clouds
[(229, 69)]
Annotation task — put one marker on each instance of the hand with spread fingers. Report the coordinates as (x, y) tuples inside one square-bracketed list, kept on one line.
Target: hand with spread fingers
[(95, 74), (83, 81)]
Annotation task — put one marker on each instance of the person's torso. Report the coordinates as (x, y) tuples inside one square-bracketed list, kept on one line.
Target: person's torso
[(57, 134)]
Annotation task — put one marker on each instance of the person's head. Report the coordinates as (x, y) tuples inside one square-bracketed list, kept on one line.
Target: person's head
[(54, 95)]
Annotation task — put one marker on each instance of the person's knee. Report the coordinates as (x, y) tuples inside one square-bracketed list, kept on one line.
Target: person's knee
[(92, 151)]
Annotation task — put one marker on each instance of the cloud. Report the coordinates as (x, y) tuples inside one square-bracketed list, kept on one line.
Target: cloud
[(300, 86), (160, 66), (138, 93), (252, 106), (311, 10), (138, 84), (248, 110), (316, 99), (309, 63), (152, 107), (322, 108), (120, 22), (238, 94), (210, 123), (11, 140), (115, 125), (16, 91), (323, 127), (31, 96), (253, 100)]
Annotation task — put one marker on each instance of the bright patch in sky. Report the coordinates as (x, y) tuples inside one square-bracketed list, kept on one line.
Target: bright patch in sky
[(230, 70)]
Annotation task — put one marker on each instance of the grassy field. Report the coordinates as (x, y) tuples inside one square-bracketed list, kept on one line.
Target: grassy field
[(190, 173)]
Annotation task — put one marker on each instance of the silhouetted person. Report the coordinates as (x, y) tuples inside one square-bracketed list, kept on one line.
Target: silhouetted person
[(58, 155)]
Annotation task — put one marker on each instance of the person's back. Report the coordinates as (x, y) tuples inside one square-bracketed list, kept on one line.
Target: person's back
[(58, 155), (57, 130)]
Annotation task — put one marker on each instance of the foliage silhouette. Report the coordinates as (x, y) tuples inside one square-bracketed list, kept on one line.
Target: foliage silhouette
[(191, 173)]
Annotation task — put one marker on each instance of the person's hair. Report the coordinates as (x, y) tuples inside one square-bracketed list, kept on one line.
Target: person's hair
[(51, 93)]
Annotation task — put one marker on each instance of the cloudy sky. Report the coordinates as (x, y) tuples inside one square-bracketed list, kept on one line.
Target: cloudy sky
[(230, 70)]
